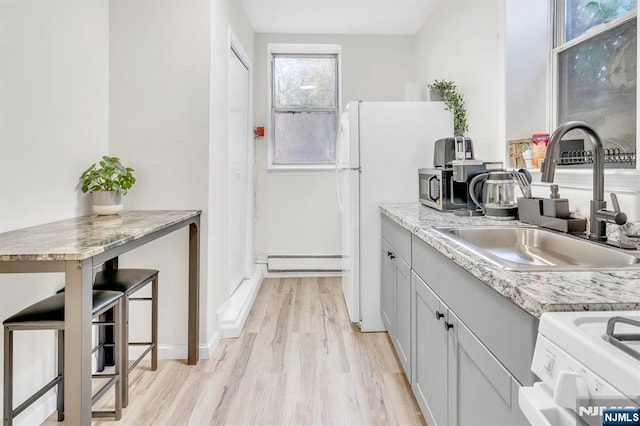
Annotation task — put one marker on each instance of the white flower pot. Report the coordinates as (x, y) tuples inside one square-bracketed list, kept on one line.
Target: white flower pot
[(107, 202)]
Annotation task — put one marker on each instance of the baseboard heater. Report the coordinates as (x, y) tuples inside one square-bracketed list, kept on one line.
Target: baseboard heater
[(286, 263)]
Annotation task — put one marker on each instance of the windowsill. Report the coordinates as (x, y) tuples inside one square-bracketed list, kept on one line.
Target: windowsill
[(615, 180), (328, 168)]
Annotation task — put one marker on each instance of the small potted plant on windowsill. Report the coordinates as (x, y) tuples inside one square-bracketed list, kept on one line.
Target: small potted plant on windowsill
[(454, 102), (107, 184)]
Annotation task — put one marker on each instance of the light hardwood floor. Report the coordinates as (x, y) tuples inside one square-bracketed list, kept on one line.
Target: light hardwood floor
[(297, 362)]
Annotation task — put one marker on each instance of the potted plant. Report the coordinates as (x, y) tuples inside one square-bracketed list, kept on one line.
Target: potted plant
[(454, 102), (107, 181)]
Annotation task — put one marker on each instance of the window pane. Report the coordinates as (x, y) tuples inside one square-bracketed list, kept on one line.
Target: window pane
[(305, 82), (584, 14), (305, 138), (597, 85)]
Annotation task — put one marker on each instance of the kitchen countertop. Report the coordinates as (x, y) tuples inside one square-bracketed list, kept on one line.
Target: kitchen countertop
[(535, 292)]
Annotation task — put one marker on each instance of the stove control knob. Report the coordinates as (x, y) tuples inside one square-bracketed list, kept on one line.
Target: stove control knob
[(570, 387)]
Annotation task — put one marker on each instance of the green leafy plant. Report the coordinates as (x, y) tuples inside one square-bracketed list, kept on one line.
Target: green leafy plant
[(454, 102), (603, 10), (110, 176)]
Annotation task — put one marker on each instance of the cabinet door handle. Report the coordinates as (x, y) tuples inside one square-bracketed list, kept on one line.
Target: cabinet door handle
[(447, 325), (390, 254), (439, 315)]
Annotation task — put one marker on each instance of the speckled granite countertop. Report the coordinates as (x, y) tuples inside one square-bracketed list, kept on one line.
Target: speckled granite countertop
[(535, 292), (86, 236)]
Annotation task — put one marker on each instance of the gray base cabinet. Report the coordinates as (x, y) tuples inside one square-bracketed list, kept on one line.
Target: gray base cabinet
[(395, 297), (387, 295), (483, 390), (464, 347), (504, 328), (456, 379), (430, 346), (402, 340)]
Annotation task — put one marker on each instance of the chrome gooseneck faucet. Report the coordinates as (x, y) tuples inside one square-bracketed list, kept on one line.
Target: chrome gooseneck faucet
[(598, 215)]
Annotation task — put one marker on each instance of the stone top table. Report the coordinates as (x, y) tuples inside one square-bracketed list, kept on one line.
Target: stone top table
[(75, 246)]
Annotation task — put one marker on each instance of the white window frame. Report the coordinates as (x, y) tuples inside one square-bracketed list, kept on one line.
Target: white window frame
[(298, 49), (617, 180)]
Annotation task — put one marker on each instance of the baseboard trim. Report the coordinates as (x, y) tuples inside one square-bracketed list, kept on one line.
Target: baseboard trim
[(233, 313), (168, 351)]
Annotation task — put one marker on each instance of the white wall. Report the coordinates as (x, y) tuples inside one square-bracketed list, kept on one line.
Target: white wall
[(168, 119), (297, 213), (158, 123), (53, 125), (527, 66), (225, 14), (462, 40)]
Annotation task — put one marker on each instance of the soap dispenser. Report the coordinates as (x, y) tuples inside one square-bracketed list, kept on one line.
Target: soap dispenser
[(554, 206)]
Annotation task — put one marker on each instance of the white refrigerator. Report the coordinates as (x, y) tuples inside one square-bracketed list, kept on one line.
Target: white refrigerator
[(380, 147)]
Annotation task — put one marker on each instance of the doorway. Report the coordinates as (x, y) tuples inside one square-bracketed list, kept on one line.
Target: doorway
[(239, 140)]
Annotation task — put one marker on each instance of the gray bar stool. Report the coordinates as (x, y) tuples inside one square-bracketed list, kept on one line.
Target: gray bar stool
[(48, 314), (129, 281)]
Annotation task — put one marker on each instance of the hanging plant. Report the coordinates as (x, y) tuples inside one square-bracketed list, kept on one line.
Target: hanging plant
[(454, 102)]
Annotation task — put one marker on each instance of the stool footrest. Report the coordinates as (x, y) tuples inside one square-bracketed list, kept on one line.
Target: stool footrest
[(103, 323), (102, 414), (142, 355), (114, 378), (36, 396)]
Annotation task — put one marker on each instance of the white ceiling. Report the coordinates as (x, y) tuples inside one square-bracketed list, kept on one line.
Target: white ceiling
[(338, 16)]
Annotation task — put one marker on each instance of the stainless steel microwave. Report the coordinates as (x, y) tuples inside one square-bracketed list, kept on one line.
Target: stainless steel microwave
[(438, 190)]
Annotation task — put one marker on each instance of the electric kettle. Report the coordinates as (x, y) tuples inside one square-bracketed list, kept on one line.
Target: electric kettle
[(495, 193)]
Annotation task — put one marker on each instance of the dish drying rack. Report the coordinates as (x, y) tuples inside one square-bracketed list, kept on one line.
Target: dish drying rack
[(582, 156)]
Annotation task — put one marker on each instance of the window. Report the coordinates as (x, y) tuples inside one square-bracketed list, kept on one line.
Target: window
[(305, 83), (595, 53)]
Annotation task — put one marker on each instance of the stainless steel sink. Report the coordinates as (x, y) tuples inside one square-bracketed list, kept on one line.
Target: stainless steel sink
[(536, 249)]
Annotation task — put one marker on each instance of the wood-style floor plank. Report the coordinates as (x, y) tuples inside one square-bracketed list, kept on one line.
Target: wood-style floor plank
[(298, 361)]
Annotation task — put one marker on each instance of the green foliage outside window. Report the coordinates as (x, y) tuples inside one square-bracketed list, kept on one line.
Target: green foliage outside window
[(585, 14)]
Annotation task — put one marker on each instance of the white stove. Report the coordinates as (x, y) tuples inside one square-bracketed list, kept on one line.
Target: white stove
[(586, 361)]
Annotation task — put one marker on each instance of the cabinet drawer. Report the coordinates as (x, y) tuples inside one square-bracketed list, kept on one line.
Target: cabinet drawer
[(398, 237)]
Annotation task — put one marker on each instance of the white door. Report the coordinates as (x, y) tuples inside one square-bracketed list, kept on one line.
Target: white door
[(239, 139)]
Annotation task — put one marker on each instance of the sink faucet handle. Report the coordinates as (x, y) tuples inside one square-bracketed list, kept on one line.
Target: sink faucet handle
[(615, 216), (614, 201)]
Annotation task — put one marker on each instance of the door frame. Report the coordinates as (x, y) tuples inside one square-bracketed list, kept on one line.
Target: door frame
[(235, 45)]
